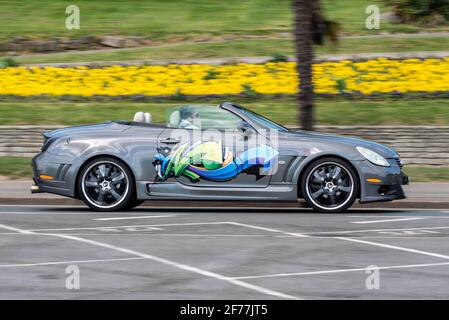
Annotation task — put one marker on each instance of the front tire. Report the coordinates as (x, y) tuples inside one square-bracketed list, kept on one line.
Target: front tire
[(106, 184), (330, 185)]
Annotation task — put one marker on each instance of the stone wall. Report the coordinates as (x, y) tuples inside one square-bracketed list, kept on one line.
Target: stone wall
[(19, 45), (417, 145)]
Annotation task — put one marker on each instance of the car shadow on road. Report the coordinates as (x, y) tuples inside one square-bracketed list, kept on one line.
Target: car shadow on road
[(208, 210)]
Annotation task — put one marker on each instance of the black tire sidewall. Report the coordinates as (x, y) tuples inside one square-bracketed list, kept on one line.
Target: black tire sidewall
[(340, 162), (124, 204)]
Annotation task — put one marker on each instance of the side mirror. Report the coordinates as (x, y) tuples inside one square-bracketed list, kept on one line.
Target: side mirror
[(245, 128)]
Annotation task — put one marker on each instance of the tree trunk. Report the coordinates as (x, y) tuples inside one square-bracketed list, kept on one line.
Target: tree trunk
[(304, 57)]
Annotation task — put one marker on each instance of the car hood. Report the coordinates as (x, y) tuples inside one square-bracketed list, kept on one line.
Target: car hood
[(381, 149), (86, 129)]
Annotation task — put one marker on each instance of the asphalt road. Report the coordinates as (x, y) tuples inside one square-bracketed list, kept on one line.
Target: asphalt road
[(208, 253)]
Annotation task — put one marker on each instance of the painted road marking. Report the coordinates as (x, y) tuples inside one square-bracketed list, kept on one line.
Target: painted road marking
[(276, 275), (129, 226), (437, 255), (409, 232), (376, 230), (193, 235), (409, 211), (387, 220), (67, 262), (293, 234), (160, 260), (139, 217), (388, 246)]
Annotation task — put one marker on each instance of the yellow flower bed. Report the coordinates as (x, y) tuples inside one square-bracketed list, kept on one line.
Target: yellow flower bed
[(367, 77)]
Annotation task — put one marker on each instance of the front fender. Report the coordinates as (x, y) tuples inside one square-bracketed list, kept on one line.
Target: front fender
[(299, 165)]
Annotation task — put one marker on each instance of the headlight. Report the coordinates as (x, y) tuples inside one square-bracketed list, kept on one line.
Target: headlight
[(373, 157)]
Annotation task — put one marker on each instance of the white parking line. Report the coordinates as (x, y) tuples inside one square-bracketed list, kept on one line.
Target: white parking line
[(276, 275), (130, 226), (376, 230), (388, 246), (161, 260), (293, 234), (402, 216), (138, 217), (387, 220), (66, 262), (192, 235), (300, 235)]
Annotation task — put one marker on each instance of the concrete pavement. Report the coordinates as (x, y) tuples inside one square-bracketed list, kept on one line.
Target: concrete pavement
[(184, 253)]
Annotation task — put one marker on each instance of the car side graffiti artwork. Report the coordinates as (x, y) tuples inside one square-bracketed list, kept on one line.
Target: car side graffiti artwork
[(209, 160)]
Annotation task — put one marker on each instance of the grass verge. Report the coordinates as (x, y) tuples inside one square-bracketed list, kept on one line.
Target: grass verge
[(178, 18), (15, 167), (427, 174), (330, 111)]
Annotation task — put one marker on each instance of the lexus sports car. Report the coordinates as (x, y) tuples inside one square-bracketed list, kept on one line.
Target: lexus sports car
[(223, 152)]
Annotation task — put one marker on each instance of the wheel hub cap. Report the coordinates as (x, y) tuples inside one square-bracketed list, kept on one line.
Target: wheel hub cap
[(330, 186), (106, 185)]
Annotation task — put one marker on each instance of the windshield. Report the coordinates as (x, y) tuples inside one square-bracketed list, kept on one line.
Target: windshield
[(203, 117), (262, 120)]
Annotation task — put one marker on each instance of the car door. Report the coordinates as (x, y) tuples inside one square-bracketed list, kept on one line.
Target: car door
[(222, 150)]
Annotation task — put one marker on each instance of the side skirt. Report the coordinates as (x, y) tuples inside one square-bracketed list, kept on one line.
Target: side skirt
[(149, 190)]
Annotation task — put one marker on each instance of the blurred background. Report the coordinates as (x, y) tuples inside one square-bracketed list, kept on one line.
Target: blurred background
[(372, 69)]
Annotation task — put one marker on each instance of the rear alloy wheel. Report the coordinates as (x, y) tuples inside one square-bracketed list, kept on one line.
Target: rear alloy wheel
[(106, 184), (330, 185)]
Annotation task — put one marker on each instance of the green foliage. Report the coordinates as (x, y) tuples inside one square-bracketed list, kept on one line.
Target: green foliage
[(179, 95), (341, 85), (8, 62), (428, 11), (211, 74), (279, 57), (248, 90)]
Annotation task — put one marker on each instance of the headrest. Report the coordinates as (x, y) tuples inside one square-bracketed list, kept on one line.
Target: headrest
[(147, 117), (174, 119), (139, 117)]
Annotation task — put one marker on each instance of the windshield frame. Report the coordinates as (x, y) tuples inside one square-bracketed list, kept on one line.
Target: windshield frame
[(253, 117)]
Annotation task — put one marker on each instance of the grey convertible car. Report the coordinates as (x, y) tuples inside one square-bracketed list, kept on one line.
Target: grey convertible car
[(223, 152)]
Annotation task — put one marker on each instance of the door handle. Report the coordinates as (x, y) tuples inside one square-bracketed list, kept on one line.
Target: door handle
[(171, 141)]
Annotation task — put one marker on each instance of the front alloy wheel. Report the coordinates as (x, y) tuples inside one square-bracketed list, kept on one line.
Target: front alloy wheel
[(106, 185), (330, 185)]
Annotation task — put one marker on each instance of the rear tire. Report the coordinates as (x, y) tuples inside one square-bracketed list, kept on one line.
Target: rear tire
[(106, 184), (330, 185)]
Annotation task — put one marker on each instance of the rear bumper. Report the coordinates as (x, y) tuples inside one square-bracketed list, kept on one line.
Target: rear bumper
[(44, 163)]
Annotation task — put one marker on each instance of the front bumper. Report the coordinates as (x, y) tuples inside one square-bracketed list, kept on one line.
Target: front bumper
[(389, 182)]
